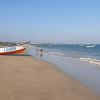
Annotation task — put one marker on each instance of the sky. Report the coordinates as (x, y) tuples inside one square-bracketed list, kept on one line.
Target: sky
[(50, 21)]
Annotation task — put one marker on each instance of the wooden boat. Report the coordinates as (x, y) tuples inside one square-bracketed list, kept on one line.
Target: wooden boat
[(13, 49)]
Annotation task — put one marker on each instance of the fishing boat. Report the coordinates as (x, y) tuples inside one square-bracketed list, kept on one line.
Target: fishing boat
[(13, 49), (90, 46)]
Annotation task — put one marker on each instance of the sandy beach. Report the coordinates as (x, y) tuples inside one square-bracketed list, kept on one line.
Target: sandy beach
[(27, 78)]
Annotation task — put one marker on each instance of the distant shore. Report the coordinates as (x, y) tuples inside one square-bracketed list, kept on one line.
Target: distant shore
[(23, 77), (7, 43)]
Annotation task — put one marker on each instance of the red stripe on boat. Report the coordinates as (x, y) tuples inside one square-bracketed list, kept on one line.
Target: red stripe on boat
[(13, 52)]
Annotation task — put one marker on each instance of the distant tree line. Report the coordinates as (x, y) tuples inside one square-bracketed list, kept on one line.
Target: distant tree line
[(7, 43)]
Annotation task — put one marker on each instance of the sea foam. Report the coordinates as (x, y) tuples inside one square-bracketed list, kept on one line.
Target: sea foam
[(90, 60)]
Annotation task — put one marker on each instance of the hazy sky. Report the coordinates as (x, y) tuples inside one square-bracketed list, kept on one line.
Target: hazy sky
[(59, 21)]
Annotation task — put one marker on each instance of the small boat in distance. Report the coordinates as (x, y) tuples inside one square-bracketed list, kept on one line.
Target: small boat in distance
[(13, 49), (90, 46)]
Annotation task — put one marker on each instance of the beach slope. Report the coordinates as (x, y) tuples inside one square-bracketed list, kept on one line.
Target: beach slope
[(26, 78)]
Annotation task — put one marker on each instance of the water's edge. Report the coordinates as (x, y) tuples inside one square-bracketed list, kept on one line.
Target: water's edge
[(88, 74)]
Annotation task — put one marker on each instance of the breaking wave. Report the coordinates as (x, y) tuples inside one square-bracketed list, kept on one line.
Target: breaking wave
[(91, 60), (85, 52)]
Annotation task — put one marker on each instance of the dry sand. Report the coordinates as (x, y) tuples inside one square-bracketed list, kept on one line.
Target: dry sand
[(26, 78)]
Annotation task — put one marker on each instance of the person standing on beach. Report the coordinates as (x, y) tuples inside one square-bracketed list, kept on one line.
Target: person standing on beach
[(41, 52)]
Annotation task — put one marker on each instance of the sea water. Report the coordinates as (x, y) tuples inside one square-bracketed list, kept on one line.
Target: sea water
[(85, 52), (80, 61)]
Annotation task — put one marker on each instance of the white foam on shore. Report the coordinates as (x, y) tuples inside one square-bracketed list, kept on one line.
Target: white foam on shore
[(90, 60), (56, 54)]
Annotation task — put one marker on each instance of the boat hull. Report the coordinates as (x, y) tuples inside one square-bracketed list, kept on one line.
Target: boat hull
[(13, 52)]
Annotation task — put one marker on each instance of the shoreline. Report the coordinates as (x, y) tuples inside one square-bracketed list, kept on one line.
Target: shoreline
[(24, 77), (86, 73)]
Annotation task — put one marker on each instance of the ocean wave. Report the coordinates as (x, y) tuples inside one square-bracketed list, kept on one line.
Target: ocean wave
[(80, 51), (56, 53), (91, 60)]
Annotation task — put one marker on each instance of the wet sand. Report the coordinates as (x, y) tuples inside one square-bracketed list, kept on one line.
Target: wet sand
[(27, 78)]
